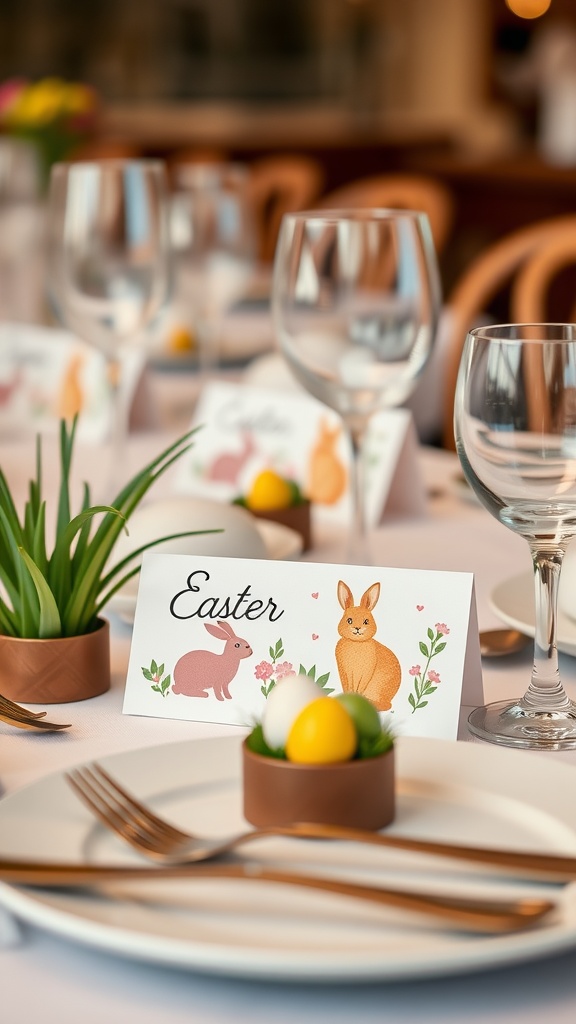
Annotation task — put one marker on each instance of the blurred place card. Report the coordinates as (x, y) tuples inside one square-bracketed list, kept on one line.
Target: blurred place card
[(47, 374), (245, 430), (213, 635)]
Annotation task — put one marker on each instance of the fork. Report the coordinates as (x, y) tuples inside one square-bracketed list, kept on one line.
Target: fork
[(22, 718), (162, 842)]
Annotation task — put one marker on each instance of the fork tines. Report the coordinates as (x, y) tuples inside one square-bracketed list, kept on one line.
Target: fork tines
[(116, 808)]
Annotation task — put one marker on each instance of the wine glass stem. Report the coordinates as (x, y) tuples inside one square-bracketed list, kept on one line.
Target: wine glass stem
[(546, 692), (358, 552), (118, 432)]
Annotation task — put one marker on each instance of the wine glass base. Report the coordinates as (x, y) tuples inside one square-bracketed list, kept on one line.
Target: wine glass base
[(510, 725)]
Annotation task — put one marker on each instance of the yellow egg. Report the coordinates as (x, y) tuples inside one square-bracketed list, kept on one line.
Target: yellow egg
[(323, 733), (269, 491), (181, 339)]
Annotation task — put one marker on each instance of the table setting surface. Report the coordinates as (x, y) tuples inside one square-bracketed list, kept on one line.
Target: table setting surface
[(55, 971)]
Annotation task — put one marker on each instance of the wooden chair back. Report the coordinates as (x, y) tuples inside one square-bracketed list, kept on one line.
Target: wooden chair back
[(278, 185), (525, 262), (399, 191)]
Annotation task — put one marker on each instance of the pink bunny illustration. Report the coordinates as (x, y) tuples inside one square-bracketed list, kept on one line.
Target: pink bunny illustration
[(198, 671), (228, 465)]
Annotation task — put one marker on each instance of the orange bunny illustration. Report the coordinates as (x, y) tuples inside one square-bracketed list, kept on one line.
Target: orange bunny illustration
[(365, 665), (71, 396), (327, 474)]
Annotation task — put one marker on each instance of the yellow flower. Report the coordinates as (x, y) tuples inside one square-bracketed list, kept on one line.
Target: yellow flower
[(41, 103), (79, 99)]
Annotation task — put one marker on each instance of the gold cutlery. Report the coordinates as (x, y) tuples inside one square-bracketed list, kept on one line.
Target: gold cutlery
[(160, 841), (476, 914), (22, 718), (496, 643)]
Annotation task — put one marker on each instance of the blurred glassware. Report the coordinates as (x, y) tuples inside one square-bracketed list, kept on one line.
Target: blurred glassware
[(355, 303), (21, 232), (109, 260), (214, 244), (515, 427)]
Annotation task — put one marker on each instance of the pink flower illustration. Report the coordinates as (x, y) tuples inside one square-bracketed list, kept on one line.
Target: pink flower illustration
[(283, 669), (433, 676), (264, 670), (442, 628), (415, 670)]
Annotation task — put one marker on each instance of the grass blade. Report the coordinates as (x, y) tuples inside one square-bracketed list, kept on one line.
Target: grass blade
[(49, 624)]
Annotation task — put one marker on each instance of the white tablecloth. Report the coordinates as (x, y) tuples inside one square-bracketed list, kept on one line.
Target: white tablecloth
[(43, 977)]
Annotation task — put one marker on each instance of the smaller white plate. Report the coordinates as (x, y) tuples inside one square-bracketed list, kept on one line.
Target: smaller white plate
[(282, 544), (513, 601)]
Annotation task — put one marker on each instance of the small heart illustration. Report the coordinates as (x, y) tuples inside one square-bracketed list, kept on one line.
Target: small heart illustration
[(314, 636), (315, 596), (420, 607)]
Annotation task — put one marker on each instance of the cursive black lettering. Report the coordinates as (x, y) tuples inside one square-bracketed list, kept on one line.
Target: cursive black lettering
[(186, 605), (191, 588)]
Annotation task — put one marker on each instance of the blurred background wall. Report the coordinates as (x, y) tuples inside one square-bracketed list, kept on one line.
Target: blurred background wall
[(466, 91), (396, 66)]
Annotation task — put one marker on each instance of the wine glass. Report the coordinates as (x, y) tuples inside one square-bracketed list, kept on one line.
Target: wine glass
[(214, 242), (515, 426), (21, 231), (355, 303), (109, 255)]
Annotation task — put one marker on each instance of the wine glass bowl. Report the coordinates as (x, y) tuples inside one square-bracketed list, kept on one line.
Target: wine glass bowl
[(109, 259), (355, 303), (214, 243), (515, 427)]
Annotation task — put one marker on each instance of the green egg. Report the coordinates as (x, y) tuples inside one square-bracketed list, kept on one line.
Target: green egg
[(363, 713)]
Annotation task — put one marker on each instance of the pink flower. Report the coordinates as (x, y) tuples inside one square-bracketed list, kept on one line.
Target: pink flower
[(433, 676), (415, 670), (264, 670), (283, 669), (442, 628), (10, 93)]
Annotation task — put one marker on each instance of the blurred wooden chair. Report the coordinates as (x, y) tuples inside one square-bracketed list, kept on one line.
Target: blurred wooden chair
[(519, 268), (106, 149), (277, 185), (399, 191)]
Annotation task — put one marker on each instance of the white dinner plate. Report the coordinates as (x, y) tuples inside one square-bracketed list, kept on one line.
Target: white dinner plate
[(513, 601), (282, 544), (466, 791)]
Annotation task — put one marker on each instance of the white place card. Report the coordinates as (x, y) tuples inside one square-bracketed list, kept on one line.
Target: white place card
[(47, 374), (213, 635), (246, 429)]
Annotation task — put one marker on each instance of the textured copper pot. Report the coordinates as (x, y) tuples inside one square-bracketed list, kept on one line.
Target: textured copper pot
[(56, 671), (359, 794)]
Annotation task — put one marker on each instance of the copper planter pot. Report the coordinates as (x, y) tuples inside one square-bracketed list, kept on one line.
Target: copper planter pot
[(359, 794), (56, 671)]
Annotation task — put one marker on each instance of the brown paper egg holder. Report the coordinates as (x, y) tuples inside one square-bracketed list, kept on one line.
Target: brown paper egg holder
[(297, 517), (358, 793)]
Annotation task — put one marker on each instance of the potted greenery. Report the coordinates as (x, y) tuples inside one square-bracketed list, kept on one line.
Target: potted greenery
[(54, 645)]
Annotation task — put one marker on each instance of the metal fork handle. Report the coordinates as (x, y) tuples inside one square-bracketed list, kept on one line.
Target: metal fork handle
[(541, 866), (33, 724), (466, 913), (546, 866)]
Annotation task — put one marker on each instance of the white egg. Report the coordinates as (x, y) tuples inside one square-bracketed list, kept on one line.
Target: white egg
[(239, 537), (285, 702)]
